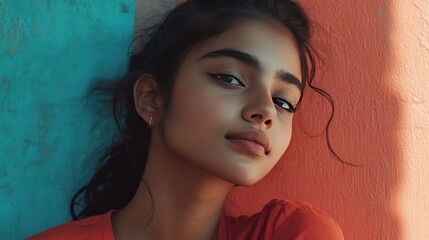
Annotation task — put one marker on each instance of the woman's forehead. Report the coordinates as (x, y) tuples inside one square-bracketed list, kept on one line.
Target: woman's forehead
[(271, 43)]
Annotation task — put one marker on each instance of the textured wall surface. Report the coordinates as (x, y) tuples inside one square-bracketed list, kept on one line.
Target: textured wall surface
[(50, 52), (377, 64), (409, 77)]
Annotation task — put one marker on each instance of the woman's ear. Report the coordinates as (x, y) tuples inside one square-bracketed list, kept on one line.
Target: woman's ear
[(148, 99)]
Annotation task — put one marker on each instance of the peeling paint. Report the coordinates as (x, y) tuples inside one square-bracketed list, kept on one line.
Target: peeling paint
[(382, 11), (3, 172), (33, 164), (46, 115), (17, 36), (125, 8), (27, 144), (5, 93), (6, 189)]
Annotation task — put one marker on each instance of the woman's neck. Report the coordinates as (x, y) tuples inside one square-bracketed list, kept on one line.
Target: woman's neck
[(188, 202)]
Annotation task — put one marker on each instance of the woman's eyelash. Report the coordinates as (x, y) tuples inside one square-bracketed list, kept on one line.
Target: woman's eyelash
[(227, 78), (285, 105)]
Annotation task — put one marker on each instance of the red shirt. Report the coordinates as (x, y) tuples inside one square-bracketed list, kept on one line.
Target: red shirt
[(279, 219)]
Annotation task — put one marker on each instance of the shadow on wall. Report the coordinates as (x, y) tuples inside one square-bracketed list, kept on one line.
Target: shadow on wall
[(353, 39)]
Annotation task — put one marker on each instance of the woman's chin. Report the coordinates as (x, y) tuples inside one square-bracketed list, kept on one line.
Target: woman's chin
[(245, 179)]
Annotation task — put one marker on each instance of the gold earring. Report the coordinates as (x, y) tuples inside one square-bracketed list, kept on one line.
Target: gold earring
[(150, 121)]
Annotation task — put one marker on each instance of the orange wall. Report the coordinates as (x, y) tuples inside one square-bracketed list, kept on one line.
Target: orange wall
[(376, 68), (377, 57)]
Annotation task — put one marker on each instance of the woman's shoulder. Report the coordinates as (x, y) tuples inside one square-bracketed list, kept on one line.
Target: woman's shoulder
[(94, 228), (284, 219)]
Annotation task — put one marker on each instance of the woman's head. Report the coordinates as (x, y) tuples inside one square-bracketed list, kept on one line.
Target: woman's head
[(201, 110), (210, 72), (229, 84)]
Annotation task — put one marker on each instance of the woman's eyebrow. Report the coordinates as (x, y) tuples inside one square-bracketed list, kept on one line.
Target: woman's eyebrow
[(289, 78), (243, 57), (253, 62)]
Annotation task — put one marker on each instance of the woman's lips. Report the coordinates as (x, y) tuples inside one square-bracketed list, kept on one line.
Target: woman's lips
[(248, 147), (250, 141)]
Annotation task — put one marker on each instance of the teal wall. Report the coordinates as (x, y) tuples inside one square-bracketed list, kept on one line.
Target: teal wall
[(50, 52)]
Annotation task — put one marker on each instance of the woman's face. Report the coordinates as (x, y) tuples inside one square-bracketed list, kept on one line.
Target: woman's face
[(232, 92)]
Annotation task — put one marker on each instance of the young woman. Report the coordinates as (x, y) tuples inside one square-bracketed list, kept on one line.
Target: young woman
[(207, 104)]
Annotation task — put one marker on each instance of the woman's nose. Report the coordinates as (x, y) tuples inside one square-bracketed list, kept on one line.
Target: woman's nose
[(261, 110)]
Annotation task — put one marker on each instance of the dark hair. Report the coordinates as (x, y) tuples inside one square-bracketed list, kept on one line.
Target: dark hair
[(160, 51)]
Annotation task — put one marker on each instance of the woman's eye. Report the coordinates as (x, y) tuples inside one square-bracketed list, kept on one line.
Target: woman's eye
[(227, 78), (284, 104)]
